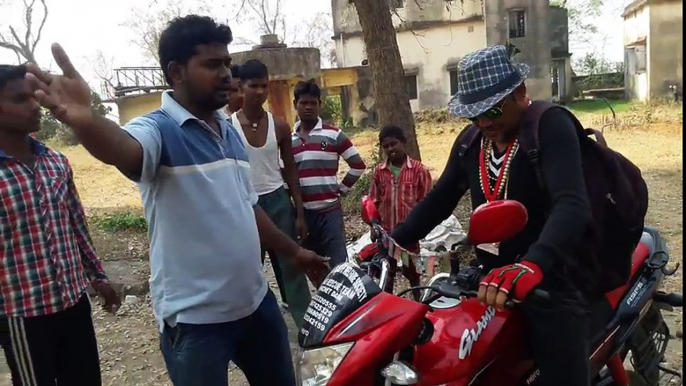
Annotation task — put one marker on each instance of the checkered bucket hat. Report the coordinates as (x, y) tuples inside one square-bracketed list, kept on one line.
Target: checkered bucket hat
[(485, 77)]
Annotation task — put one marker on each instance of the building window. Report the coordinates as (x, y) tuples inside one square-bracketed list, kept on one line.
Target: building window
[(640, 52), (411, 86), (517, 21), (453, 81), (396, 3), (635, 60)]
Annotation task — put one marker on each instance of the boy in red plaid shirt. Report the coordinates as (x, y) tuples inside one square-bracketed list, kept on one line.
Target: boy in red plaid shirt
[(398, 184), (47, 260)]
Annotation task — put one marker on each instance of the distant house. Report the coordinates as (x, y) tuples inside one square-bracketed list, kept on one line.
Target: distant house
[(433, 36), (653, 51)]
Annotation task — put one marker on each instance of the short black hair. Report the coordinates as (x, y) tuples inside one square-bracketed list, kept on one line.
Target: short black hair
[(392, 131), (254, 69), (178, 42), (307, 87), (10, 73), (236, 71)]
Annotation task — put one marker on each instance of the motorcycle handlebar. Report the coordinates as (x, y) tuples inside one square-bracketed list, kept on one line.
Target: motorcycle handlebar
[(448, 290)]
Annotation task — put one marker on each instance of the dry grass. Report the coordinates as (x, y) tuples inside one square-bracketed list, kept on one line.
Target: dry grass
[(656, 147), (651, 138)]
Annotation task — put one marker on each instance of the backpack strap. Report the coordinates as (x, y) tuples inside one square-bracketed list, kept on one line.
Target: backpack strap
[(467, 138), (528, 136)]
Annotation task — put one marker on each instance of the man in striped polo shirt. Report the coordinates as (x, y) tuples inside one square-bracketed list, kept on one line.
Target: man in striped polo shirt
[(317, 148)]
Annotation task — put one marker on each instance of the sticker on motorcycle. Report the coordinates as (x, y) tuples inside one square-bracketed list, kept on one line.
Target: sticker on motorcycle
[(471, 335), (344, 290)]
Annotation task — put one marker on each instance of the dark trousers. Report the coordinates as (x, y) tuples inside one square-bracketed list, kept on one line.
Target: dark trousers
[(558, 331), (293, 285), (327, 234), (199, 354), (57, 349)]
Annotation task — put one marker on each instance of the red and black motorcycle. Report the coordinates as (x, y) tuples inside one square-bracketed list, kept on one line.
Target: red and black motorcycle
[(356, 334)]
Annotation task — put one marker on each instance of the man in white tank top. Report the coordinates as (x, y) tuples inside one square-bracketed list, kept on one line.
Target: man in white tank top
[(267, 141)]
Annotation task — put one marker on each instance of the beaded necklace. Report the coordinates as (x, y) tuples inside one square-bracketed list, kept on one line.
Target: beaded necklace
[(504, 173)]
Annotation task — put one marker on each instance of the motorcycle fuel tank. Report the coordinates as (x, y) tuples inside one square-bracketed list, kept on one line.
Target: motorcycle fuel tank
[(468, 336)]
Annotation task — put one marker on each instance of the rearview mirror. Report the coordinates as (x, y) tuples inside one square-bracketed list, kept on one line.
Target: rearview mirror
[(496, 221), (369, 212)]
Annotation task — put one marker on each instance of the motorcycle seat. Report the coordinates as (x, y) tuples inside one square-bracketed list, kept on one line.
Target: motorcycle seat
[(601, 309)]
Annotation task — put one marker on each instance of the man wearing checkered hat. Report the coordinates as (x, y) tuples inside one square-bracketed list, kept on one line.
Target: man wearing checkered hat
[(492, 94)]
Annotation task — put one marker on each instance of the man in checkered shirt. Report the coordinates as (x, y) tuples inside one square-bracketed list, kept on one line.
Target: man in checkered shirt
[(47, 259)]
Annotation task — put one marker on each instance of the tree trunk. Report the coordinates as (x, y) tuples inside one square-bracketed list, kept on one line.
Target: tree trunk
[(388, 75)]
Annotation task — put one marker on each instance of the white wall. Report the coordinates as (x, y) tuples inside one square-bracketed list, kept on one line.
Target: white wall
[(428, 51), (345, 15), (636, 25), (636, 28)]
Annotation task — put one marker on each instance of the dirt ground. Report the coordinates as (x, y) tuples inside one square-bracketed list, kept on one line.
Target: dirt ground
[(129, 344)]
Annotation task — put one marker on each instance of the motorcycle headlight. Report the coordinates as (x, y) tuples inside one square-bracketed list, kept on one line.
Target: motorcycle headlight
[(316, 367)]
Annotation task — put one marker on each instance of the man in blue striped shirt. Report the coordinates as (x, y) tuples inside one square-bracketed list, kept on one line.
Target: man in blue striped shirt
[(210, 297)]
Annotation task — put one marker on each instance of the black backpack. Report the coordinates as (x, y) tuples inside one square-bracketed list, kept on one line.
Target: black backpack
[(616, 190)]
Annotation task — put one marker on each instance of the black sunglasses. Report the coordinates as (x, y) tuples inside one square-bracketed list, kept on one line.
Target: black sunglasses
[(494, 112)]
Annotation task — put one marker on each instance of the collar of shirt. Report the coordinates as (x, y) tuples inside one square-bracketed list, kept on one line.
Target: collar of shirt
[(318, 126), (37, 147), (179, 114), (408, 163)]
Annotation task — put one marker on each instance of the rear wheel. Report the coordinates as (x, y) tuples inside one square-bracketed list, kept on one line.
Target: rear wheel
[(646, 347)]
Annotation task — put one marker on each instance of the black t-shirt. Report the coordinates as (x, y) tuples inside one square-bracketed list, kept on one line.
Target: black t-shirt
[(551, 242)]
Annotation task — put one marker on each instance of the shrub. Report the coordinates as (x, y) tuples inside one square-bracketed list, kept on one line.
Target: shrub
[(121, 222)]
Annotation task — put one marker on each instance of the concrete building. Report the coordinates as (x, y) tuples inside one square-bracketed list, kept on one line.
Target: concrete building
[(653, 51), (138, 90), (433, 35)]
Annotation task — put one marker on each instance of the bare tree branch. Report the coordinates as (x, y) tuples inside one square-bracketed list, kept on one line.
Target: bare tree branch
[(148, 24), (317, 33), (239, 40), (407, 26), (582, 29), (24, 45), (28, 10), (40, 28), (10, 46), (103, 67)]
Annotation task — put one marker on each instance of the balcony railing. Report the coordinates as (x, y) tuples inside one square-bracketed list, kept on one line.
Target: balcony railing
[(134, 80)]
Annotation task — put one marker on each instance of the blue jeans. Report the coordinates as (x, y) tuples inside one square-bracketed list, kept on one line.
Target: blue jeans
[(199, 354)]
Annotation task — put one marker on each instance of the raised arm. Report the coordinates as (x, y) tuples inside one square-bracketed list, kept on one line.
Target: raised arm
[(68, 97)]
